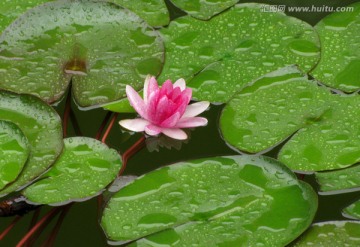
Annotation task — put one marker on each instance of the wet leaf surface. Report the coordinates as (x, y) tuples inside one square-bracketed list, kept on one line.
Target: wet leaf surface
[(154, 12), (220, 56), (84, 169), (323, 127), (334, 182), (352, 211), (339, 66), (14, 151), (100, 45), (11, 9), (41, 125), (203, 9), (216, 201), (332, 233), (119, 106)]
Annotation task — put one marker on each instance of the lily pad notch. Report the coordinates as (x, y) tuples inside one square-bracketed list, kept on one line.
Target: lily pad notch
[(99, 45)]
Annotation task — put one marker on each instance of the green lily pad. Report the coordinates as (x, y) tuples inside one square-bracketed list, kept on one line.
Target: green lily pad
[(353, 211), (11, 9), (203, 10), (220, 201), (339, 66), (323, 127), (99, 45), (41, 126), (218, 57), (331, 233), (14, 152), (337, 181), (121, 106), (154, 12), (83, 170)]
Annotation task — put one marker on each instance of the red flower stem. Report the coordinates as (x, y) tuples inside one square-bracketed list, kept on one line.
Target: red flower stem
[(137, 146), (36, 235), (75, 123), (108, 129), (51, 239), (102, 126), (34, 219), (9, 227), (66, 113), (41, 223)]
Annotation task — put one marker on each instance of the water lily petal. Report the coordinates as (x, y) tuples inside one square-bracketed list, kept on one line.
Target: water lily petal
[(137, 124), (151, 105), (191, 122), (150, 87), (181, 103), (180, 83), (136, 101), (146, 86), (152, 130), (188, 94), (175, 133), (175, 94), (166, 88), (195, 109), (171, 121)]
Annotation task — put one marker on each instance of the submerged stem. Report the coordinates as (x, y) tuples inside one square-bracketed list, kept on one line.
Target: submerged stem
[(9, 227), (45, 220), (103, 124), (108, 129), (137, 146), (34, 219), (51, 239)]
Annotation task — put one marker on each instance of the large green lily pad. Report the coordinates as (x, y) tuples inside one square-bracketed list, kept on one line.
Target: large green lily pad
[(84, 169), (220, 201), (337, 181), (41, 125), (220, 56), (323, 127), (14, 152), (11, 9), (332, 233), (100, 45), (353, 211), (203, 9), (339, 66), (154, 12)]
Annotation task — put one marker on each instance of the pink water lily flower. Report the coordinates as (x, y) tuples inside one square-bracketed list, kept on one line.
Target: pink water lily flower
[(164, 110)]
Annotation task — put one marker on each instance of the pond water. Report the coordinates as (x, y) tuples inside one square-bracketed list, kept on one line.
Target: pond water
[(81, 226)]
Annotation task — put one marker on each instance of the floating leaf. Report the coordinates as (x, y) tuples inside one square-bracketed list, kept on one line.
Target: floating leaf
[(119, 106), (154, 12), (324, 127), (337, 181), (222, 200), (203, 9), (100, 45), (331, 233), (353, 211), (41, 126), (11, 9), (14, 151), (220, 56), (339, 66), (84, 169)]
